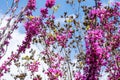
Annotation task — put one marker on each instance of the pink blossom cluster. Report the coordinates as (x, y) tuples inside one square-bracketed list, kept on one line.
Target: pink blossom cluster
[(32, 29), (114, 68), (78, 76), (32, 26), (5, 66), (56, 60), (50, 40), (4, 70), (54, 71), (33, 67), (44, 12), (63, 38), (104, 14), (6, 43), (31, 4), (50, 3), (102, 40), (94, 54)]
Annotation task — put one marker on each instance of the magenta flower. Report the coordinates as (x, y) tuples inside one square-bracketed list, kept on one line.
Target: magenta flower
[(63, 38), (44, 12), (77, 76), (32, 26), (33, 67), (95, 51), (35, 79), (118, 3), (54, 73), (50, 3), (31, 4), (4, 68), (50, 41)]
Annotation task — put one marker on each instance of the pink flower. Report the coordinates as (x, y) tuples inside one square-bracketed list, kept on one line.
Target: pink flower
[(44, 12), (35, 78), (118, 3), (4, 67), (1, 74), (54, 73), (50, 40), (50, 3), (77, 76), (53, 17), (32, 26), (33, 67), (31, 4)]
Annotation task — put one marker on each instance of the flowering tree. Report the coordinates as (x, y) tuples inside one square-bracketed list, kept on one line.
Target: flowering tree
[(93, 41)]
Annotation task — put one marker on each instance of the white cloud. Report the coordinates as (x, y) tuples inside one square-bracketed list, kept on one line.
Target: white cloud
[(104, 76), (61, 20)]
